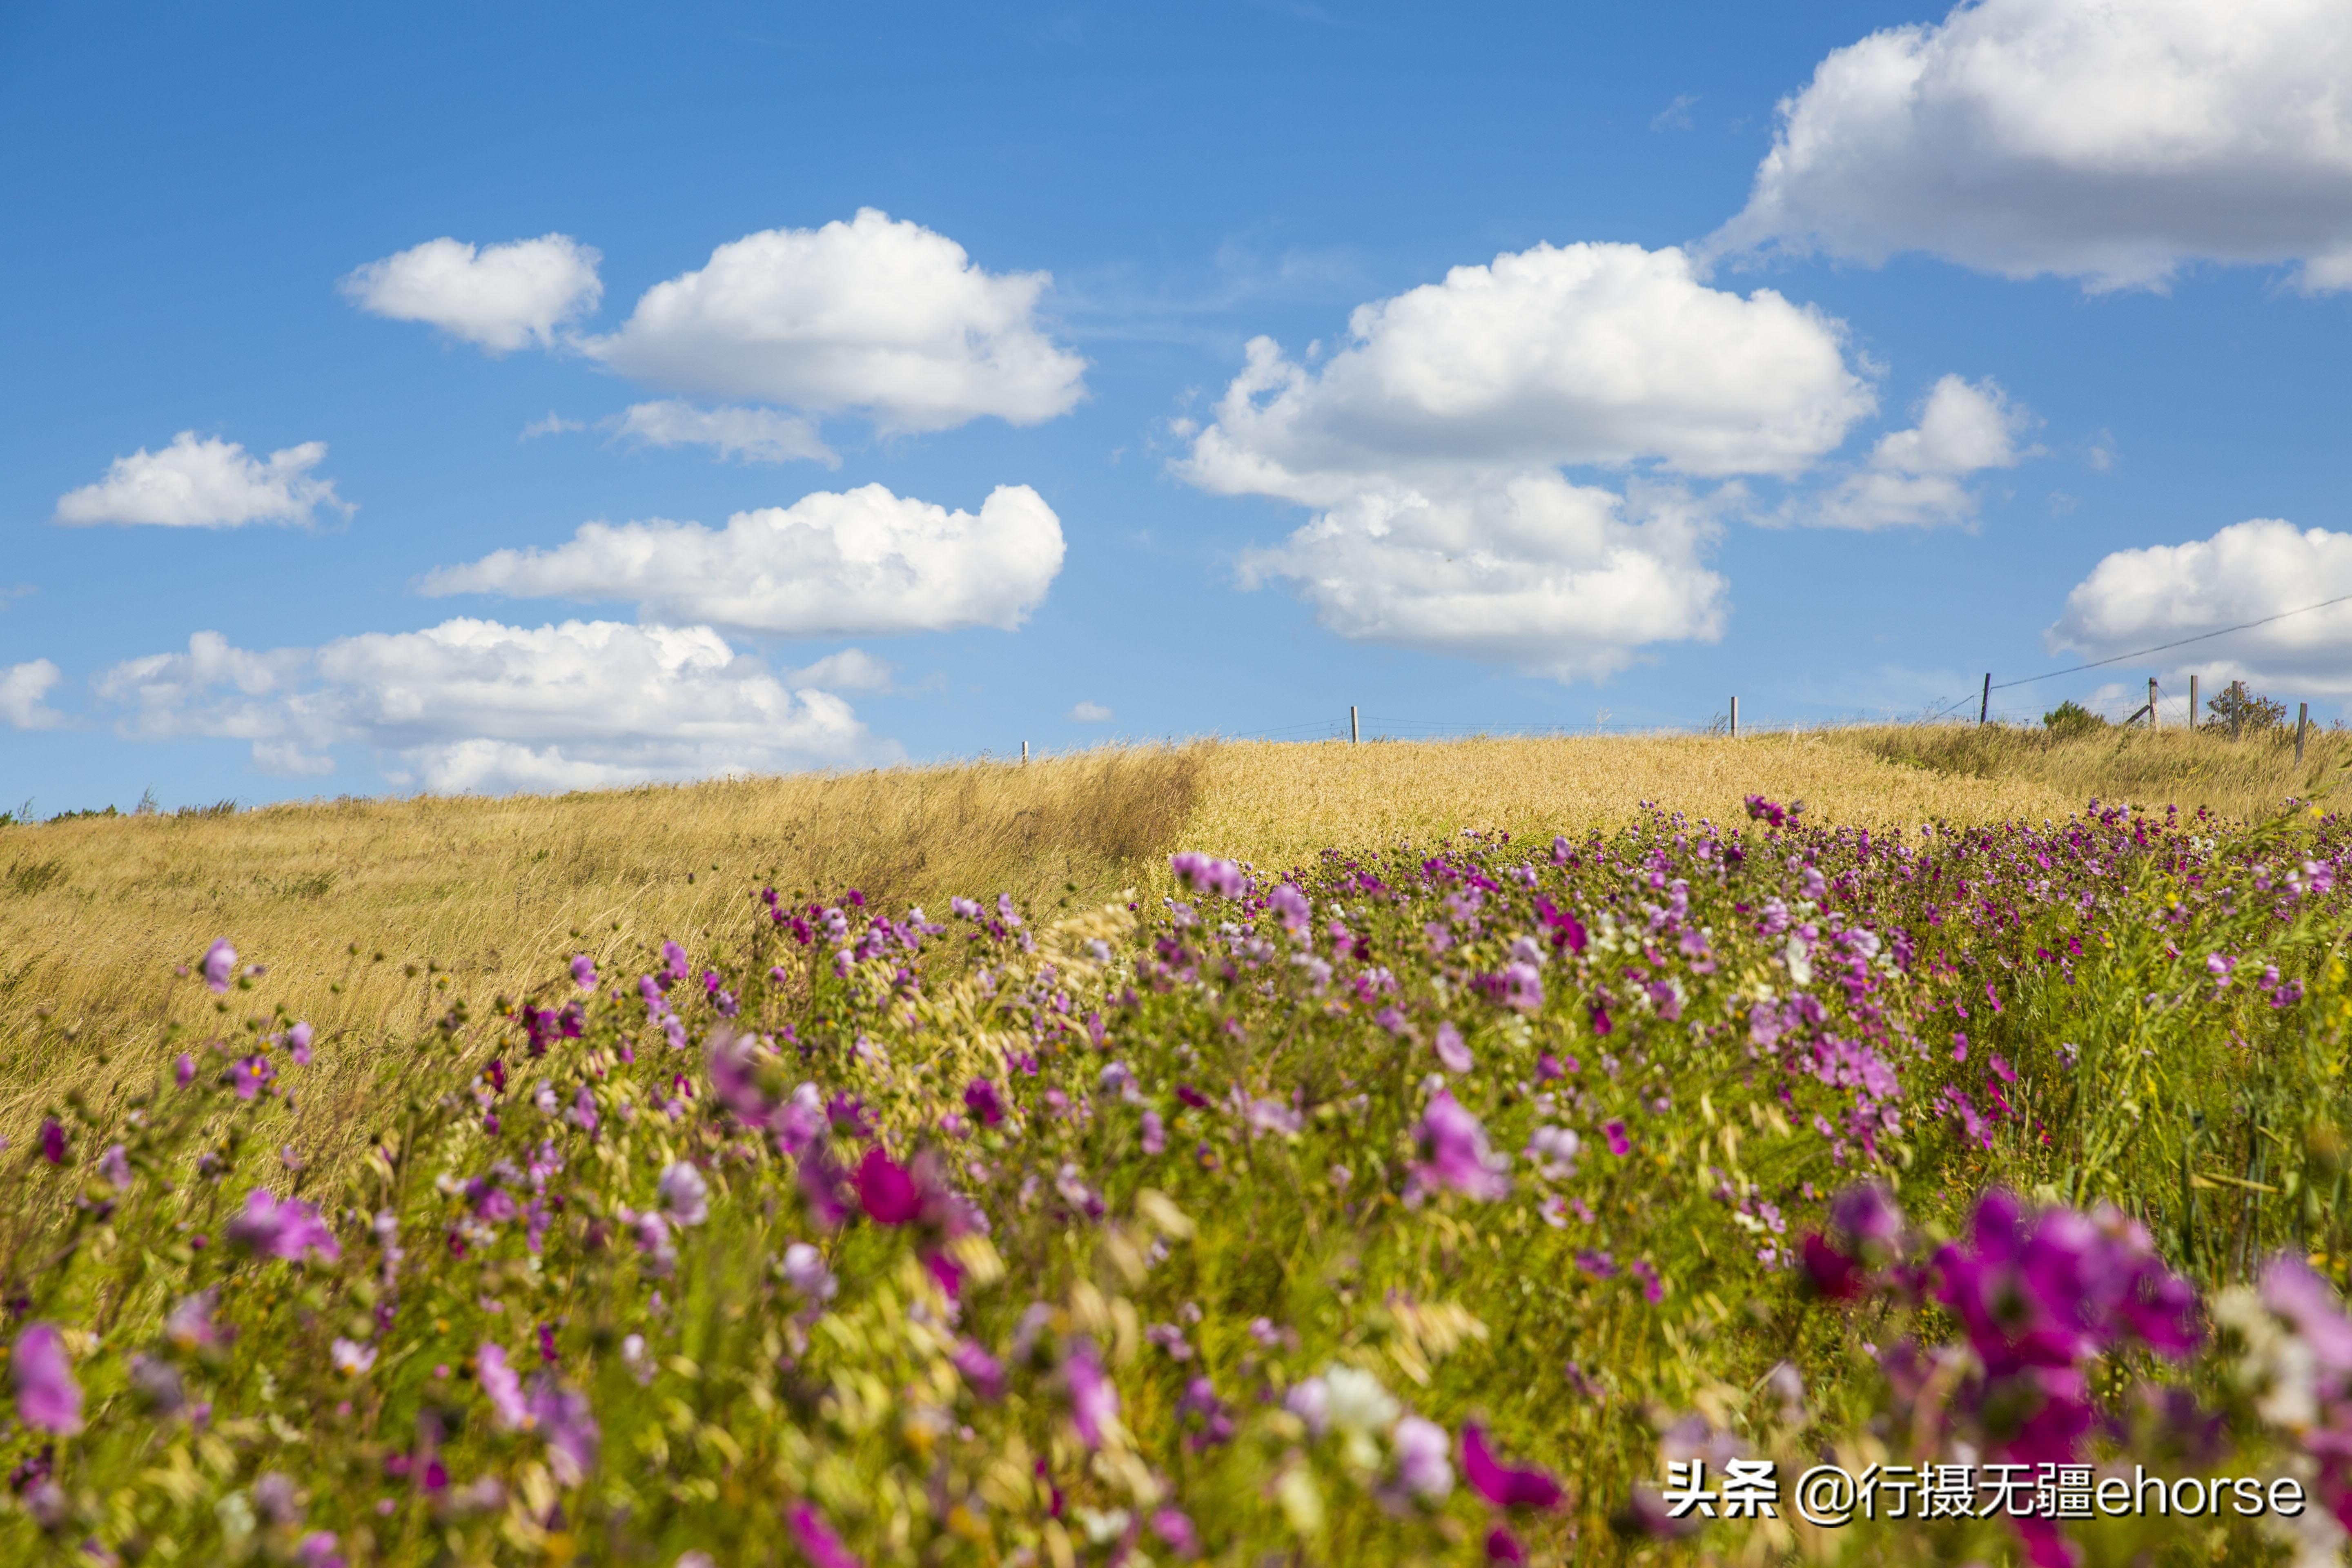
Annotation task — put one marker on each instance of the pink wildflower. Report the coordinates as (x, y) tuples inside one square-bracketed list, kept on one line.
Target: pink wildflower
[(501, 1387), (219, 965), (288, 1229), (1459, 1155), (816, 1540)]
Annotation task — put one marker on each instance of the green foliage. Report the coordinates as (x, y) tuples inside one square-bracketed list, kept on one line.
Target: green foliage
[(2071, 718)]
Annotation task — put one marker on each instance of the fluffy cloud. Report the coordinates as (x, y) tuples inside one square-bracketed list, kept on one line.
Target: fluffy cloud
[(1430, 445), (1090, 713), (753, 435), (1914, 477), (472, 705), (22, 687), (2110, 143), (499, 297), (871, 316), (1561, 580), (210, 483), (2139, 598), (864, 561), (851, 670), (1584, 353)]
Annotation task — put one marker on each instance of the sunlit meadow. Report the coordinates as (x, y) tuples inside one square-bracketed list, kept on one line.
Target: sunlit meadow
[(1225, 1174)]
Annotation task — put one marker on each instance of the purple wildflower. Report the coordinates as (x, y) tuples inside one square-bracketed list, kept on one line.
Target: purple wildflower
[(48, 1398), (284, 1230), (1451, 1050), (685, 1195), (219, 965), (1459, 1155), (1093, 1398)]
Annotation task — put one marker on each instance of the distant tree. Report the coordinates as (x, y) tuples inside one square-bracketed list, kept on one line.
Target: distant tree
[(2244, 711), (2071, 718)]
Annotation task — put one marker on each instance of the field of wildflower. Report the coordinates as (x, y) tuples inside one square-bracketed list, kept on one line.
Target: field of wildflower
[(1433, 1205)]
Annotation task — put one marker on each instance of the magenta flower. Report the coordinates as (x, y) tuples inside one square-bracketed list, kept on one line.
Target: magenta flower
[(219, 965), (1459, 1155), (298, 1044), (1174, 1527), (816, 1540), (982, 1371), (115, 1166), (1290, 906), (53, 1140), (884, 1189), (1522, 987), (183, 1071), (1502, 1546), (584, 972), (48, 1398), (1155, 1133), (1451, 1050), (501, 1387), (287, 1230), (1505, 1486), (1619, 1145), (981, 1098)]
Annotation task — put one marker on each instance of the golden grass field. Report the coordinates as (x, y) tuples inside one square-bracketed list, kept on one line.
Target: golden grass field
[(482, 897)]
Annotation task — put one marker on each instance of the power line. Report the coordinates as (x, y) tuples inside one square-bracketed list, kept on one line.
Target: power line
[(2184, 642)]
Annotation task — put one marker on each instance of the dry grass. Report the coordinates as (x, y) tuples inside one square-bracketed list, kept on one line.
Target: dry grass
[(2242, 780), (93, 913), (1277, 805)]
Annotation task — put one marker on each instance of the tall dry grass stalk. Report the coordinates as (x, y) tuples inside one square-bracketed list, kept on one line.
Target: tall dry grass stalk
[(480, 897)]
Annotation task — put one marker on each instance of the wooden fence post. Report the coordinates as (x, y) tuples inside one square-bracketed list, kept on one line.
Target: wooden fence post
[(2302, 728), (1984, 703), (2153, 726), (1735, 718), (1355, 731)]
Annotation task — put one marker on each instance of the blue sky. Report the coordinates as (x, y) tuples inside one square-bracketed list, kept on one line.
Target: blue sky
[(2040, 345)]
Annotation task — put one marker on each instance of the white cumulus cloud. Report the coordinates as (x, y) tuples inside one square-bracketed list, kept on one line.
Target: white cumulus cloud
[(873, 316), (210, 483), (1431, 446), (1581, 353), (1918, 478), (862, 561), (1561, 580), (2092, 140), (22, 687), (752, 435), (1090, 713), (497, 296), (2246, 571), (472, 705)]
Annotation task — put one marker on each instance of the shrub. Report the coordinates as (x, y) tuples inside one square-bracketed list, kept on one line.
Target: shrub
[(2245, 712), (2071, 718)]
